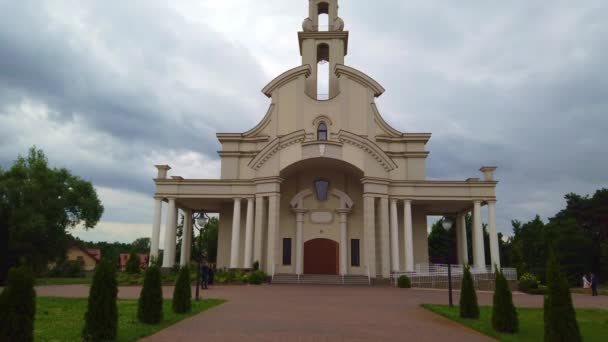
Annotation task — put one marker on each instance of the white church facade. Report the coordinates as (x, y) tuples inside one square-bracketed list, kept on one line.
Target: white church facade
[(323, 185)]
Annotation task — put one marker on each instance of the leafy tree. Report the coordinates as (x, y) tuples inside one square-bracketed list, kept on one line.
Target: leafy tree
[(150, 304), (468, 297), (142, 245), (38, 206), (18, 306), (101, 318), (504, 314), (209, 241), (442, 244), (133, 263), (559, 314), (182, 294)]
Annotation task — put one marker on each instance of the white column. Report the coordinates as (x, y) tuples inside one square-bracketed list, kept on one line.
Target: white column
[(408, 236), (494, 251), (343, 241), (479, 257), (236, 234), (273, 232), (186, 242), (155, 239), (260, 212), (385, 239), (170, 235), (369, 231), (249, 234), (463, 251), (394, 237), (300, 240)]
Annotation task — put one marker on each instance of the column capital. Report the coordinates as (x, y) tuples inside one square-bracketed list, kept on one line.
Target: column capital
[(343, 211), (299, 210)]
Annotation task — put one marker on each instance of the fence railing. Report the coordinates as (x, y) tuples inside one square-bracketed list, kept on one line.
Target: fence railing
[(436, 275)]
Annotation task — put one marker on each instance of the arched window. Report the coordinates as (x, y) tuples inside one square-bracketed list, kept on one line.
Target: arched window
[(322, 132), (323, 72), (323, 12)]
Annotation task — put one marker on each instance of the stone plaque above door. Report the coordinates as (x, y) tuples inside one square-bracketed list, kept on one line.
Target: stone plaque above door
[(321, 217)]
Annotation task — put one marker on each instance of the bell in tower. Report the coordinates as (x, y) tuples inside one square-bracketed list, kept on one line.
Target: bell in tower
[(323, 44)]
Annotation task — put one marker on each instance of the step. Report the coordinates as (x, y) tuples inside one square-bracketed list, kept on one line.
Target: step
[(318, 279)]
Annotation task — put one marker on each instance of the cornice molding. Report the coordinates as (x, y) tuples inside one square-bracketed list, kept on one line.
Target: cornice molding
[(275, 146), (359, 77), (260, 126), (289, 75), (324, 35), (370, 147)]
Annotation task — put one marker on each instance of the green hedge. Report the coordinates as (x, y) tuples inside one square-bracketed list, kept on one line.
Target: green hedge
[(182, 294), (468, 297), (101, 318), (150, 305), (404, 282)]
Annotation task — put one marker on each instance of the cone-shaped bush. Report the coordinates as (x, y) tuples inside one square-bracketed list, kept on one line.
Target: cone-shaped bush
[(150, 305), (504, 314), (182, 295), (18, 306), (559, 314), (133, 264), (101, 318), (468, 297)]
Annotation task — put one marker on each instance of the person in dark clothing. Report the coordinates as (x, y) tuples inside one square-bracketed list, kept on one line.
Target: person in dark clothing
[(593, 284), (205, 272), (211, 275)]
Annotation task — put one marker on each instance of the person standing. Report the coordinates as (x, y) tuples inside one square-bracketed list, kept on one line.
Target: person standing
[(586, 282), (593, 284), (205, 273)]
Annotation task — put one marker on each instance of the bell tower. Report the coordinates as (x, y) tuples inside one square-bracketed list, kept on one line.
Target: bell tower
[(323, 43)]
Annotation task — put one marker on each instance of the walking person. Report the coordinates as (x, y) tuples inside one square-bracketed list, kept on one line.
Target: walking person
[(586, 282), (205, 273), (593, 284)]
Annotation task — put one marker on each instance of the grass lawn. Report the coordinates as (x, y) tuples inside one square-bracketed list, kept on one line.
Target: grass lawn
[(62, 319), (592, 322)]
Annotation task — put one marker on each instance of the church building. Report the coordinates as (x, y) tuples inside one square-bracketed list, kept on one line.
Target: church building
[(323, 184)]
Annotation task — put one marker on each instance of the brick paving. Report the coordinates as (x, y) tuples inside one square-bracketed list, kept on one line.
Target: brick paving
[(320, 313)]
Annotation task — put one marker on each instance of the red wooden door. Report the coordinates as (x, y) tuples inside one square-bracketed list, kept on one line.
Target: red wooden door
[(321, 256)]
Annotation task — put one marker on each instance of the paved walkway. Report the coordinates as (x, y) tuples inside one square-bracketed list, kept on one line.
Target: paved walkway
[(320, 313)]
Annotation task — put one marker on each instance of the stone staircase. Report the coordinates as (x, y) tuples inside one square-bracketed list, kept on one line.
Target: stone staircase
[(318, 279)]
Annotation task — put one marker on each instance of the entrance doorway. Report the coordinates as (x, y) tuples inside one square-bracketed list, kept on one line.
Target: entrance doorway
[(321, 256)]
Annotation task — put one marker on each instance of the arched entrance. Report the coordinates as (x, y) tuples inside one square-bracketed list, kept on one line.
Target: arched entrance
[(321, 256)]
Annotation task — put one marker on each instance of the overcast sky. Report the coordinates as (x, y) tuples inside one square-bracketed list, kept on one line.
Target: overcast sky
[(110, 88)]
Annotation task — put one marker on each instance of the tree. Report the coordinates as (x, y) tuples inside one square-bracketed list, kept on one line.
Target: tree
[(142, 245), (468, 297), (38, 205), (18, 306), (150, 304), (504, 314), (559, 314), (133, 263), (182, 294), (101, 318), (442, 244), (209, 241)]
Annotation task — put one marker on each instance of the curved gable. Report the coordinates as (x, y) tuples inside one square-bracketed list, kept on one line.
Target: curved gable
[(360, 77), (286, 77)]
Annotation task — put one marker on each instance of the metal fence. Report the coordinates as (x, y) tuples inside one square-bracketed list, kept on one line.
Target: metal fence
[(436, 275)]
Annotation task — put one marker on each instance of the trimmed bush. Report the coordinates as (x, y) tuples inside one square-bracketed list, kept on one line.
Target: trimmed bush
[(559, 314), (404, 282), (150, 304), (182, 294), (527, 282), (504, 314), (101, 318), (18, 306), (468, 297), (133, 263), (256, 265), (257, 277)]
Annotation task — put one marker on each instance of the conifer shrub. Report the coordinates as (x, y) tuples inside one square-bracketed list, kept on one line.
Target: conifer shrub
[(504, 314), (404, 282), (559, 314), (468, 297), (101, 318), (256, 265), (257, 277), (18, 306), (133, 263), (150, 304), (182, 294)]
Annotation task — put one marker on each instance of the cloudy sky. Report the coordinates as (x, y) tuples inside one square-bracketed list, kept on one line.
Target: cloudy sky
[(110, 88)]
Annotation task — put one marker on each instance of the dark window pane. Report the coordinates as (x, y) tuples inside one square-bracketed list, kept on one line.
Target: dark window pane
[(354, 253), (322, 187), (322, 131), (286, 251)]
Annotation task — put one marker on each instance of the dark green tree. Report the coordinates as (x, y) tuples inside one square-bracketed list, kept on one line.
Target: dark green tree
[(133, 263), (209, 241), (504, 314), (559, 314), (38, 205), (182, 294), (142, 245), (150, 305), (18, 306), (442, 244), (468, 297), (101, 318)]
